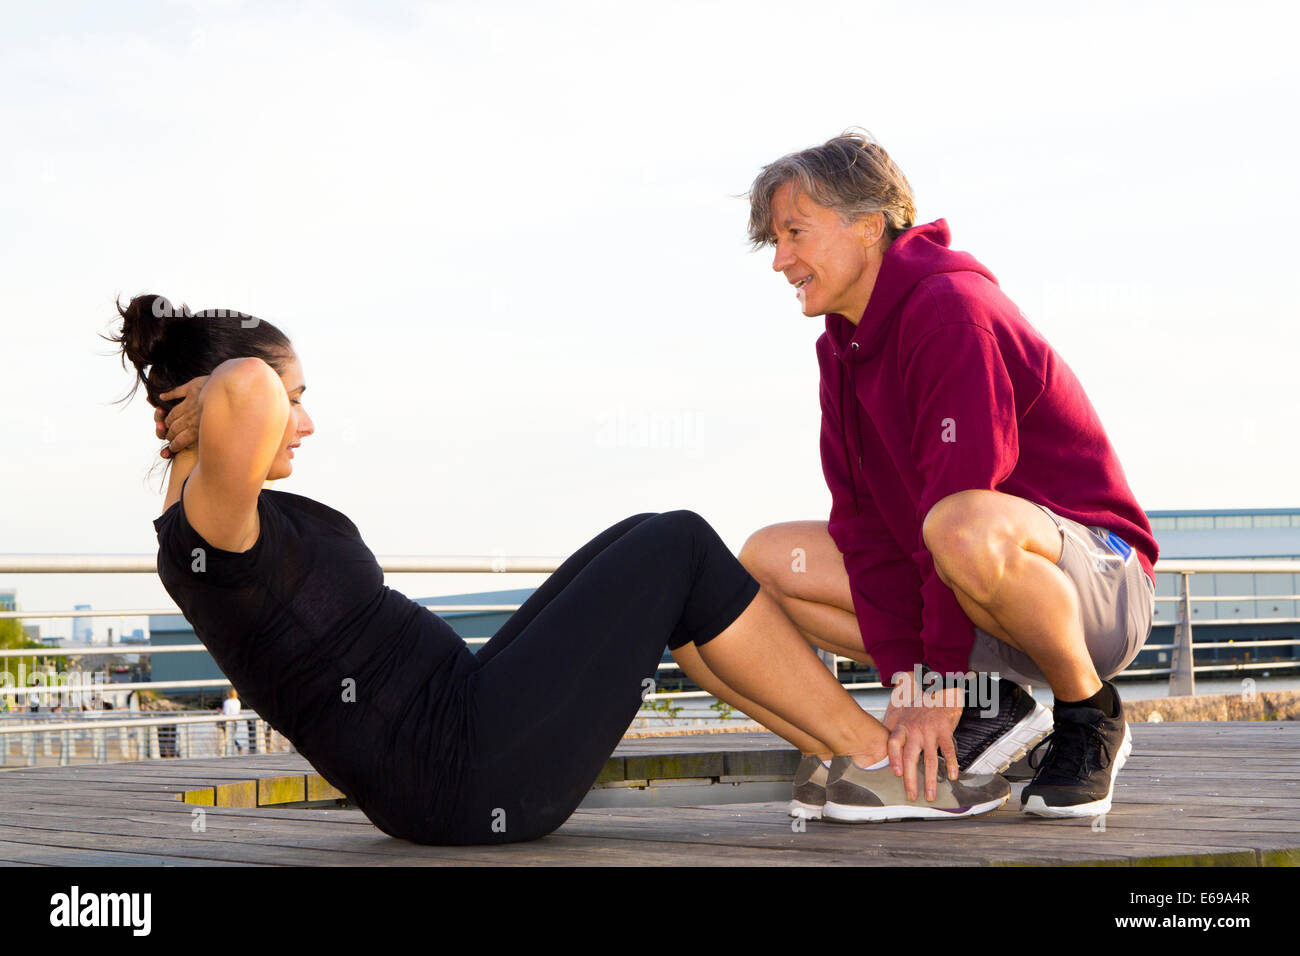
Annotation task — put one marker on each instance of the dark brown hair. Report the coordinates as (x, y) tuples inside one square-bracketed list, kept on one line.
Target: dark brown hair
[(169, 345)]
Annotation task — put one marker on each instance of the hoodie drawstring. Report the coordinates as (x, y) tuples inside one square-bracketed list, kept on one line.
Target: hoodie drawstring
[(848, 402)]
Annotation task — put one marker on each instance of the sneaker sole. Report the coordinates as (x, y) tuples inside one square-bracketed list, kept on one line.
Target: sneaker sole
[(843, 813), (1036, 806), (1015, 743), (805, 811)]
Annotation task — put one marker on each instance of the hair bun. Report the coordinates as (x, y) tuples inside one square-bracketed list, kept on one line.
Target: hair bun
[(144, 324)]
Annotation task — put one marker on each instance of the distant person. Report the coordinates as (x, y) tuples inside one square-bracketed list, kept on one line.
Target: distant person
[(436, 744), (980, 519), (230, 708)]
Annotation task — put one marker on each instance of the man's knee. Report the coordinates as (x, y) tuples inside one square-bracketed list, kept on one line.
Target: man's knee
[(957, 523), (970, 539)]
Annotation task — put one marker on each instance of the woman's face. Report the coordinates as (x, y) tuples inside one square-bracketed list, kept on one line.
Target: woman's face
[(299, 425)]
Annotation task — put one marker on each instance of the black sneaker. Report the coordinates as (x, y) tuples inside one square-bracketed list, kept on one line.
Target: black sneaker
[(1076, 775), (991, 744)]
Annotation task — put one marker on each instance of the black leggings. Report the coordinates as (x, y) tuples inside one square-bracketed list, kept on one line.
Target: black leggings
[(547, 699)]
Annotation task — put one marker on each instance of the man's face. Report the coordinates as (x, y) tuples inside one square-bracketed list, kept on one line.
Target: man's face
[(833, 266)]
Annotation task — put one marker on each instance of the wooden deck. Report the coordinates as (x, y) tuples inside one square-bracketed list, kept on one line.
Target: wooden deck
[(1191, 794)]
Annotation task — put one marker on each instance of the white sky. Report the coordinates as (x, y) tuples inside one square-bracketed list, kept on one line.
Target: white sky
[(504, 238)]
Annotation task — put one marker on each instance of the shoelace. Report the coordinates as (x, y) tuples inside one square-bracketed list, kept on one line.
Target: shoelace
[(1068, 745)]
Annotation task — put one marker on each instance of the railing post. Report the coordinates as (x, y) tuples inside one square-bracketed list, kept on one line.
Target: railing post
[(1182, 676), (828, 658)]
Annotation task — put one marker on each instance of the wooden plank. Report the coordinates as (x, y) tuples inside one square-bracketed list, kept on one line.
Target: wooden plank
[(1008, 822), (758, 763), (201, 847), (551, 850), (241, 794), (318, 788), (272, 790), (671, 765), (1225, 795), (849, 843), (216, 823), (64, 856)]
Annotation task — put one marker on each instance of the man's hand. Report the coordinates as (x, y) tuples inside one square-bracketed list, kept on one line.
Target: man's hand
[(180, 426), (922, 722)]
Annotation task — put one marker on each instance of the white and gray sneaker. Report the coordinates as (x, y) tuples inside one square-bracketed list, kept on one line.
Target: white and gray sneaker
[(809, 788), (855, 795)]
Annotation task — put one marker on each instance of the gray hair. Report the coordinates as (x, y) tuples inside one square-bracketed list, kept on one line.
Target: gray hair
[(851, 174)]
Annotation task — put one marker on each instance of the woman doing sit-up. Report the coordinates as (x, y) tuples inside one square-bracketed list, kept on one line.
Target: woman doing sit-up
[(434, 743)]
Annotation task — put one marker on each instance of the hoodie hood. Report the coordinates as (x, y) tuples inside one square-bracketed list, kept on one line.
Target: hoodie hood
[(920, 252)]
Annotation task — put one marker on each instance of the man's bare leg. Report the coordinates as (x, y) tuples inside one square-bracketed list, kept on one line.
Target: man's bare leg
[(799, 564), (998, 553)]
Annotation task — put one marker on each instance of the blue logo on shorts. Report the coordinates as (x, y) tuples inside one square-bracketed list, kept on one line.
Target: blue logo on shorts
[(1117, 544)]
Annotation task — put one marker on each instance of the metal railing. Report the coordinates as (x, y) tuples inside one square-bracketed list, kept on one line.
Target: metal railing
[(106, 736), (165, 734)]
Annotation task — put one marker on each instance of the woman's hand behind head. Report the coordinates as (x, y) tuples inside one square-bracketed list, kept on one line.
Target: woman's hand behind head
[(180, 426)]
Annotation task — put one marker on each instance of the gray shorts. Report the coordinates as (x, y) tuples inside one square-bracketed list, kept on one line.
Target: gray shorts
[(1116, 599)]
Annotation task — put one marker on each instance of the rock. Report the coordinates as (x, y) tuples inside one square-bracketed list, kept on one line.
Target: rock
[(1256, 705)]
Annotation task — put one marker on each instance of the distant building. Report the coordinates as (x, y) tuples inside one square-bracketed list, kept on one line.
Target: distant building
[(473, 625), (9, 602), (1263, 608), (82, 627)]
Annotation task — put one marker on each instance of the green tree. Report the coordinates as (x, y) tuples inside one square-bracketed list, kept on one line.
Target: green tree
[(13, 638)]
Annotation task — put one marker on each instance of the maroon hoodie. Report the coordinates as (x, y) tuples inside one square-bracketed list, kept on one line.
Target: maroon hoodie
[(942, 387)]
